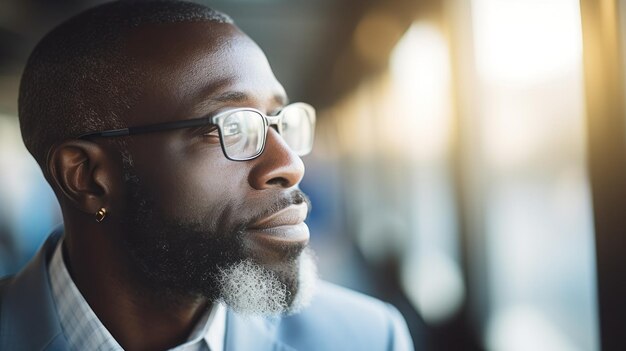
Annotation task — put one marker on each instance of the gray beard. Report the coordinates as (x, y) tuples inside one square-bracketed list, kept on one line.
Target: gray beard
[(251, 289)]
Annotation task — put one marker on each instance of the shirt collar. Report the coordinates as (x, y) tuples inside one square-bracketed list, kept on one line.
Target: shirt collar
[(84, 331)]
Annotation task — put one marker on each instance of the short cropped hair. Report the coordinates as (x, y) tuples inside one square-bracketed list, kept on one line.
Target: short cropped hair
[(77, 79)]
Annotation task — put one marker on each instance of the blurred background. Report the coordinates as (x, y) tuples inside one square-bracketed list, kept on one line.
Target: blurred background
[(469, 167)]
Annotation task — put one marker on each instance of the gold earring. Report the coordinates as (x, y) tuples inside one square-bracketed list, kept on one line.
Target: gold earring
[(101, 215)]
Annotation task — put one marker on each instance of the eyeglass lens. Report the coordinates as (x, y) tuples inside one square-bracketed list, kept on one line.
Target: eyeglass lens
[(243, 132), (297, 129)]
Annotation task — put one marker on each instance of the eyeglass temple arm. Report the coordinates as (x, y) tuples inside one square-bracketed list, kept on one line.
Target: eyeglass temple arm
[(106, 133), (148, 129)]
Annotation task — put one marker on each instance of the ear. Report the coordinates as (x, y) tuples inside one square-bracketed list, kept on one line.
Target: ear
[(84, 172)]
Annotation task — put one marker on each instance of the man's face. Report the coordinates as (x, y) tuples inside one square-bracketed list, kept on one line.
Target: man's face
[(197, 223)]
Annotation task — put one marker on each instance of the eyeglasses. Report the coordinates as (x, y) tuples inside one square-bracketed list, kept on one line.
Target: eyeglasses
[(242, 131)]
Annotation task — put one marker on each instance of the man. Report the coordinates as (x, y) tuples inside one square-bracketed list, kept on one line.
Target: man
[(175, 158)]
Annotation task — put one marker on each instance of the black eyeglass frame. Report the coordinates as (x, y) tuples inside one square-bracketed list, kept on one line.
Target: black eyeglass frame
[(216, 120)]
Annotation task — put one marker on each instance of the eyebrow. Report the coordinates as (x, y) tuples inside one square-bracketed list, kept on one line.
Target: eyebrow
[(239, 96)]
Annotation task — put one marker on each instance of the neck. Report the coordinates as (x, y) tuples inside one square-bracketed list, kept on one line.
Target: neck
[(136, 316)]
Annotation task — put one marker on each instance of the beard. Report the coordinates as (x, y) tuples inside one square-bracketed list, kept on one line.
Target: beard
[(178, 259)]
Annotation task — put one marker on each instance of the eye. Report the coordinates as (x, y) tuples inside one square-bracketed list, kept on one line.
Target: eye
[(209, 134), (231, 129)]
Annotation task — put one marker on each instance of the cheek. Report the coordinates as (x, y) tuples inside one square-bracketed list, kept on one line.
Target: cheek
[(190, 182), (202, 187)]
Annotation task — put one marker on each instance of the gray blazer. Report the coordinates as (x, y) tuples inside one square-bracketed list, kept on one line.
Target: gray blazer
[(338, 319)]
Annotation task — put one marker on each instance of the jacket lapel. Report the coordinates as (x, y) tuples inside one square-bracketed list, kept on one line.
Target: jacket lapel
[(252, 333), (29, 319)]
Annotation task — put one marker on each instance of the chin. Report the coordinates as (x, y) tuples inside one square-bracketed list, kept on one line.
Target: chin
[(276, 245), (273, 253)]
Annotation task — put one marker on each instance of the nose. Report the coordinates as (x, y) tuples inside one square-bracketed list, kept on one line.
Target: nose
[(278, 166)]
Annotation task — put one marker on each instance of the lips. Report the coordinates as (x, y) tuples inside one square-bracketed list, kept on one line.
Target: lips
[(289, 216), (286, 225)]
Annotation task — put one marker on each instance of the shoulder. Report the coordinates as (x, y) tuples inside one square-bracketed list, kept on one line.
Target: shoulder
[(28, 318), (342, 319), (343, 302)]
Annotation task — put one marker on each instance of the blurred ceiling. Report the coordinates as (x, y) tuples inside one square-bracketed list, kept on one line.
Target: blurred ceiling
[(309, 43)]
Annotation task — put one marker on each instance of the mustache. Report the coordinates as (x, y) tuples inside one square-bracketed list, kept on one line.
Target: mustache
[(296, 197)]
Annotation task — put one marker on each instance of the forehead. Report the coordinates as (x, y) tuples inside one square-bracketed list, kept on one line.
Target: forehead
[(184, 66)]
